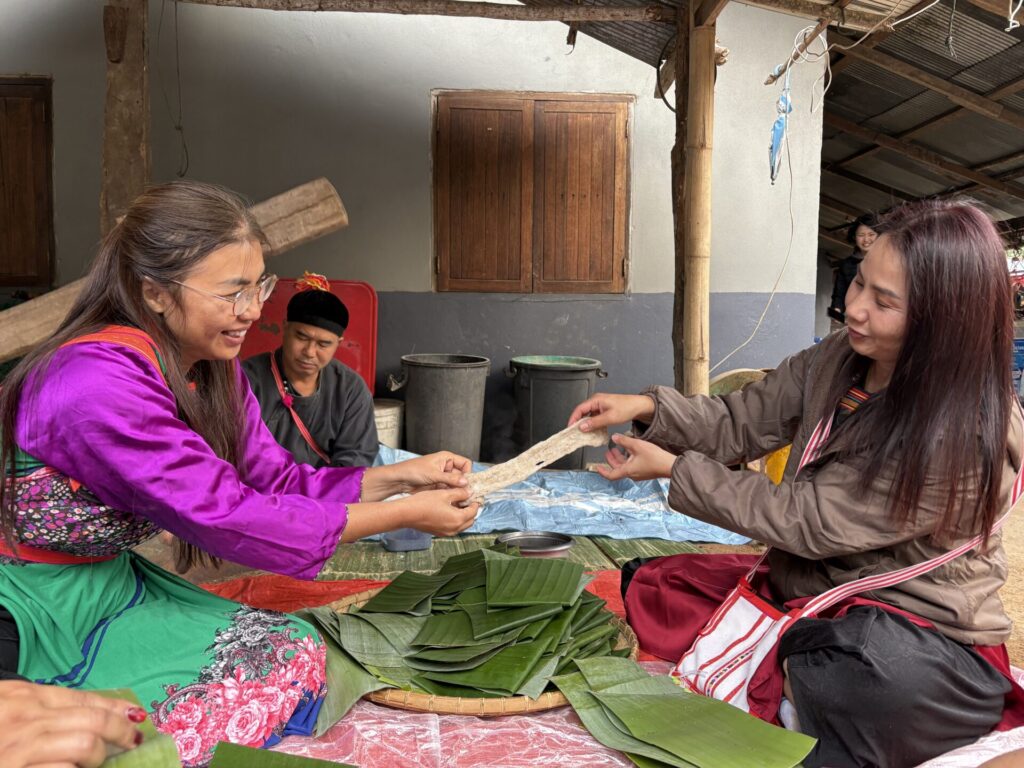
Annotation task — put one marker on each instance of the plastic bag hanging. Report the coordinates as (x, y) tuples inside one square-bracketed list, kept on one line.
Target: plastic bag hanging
[(778, 134)]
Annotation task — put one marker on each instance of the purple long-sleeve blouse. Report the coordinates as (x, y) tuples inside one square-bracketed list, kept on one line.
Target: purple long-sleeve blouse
[(102, 415)]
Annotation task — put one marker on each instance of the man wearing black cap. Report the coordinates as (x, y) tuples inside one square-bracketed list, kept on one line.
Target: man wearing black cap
[(316, 407)]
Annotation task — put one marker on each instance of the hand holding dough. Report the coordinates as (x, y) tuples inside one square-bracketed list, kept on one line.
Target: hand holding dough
[(539, 456)]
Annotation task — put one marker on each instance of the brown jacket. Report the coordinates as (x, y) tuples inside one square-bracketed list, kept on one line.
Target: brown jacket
[(826, 530)]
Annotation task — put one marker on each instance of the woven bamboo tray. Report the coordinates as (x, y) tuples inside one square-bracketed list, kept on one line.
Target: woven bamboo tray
[(452, 705)]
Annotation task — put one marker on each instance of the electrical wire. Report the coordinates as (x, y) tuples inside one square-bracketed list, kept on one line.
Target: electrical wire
[(178, 122), (657, 72), (1011, 16)]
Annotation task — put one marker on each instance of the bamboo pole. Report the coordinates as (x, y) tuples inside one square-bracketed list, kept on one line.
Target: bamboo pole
[(700, 120), (809, 38), (288, 220)]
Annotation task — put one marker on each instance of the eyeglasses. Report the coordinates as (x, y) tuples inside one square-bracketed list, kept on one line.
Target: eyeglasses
[(242, 300)]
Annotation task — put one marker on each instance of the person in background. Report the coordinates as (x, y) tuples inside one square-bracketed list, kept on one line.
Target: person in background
[(316, 407), (861, 235)]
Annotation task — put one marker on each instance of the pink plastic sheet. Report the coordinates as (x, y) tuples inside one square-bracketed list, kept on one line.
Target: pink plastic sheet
[(373, 736)]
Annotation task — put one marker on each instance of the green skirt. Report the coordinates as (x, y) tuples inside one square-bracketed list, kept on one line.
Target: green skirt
[(207, 668)]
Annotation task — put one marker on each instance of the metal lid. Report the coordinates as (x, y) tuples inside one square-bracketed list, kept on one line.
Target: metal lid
[(537, 543)]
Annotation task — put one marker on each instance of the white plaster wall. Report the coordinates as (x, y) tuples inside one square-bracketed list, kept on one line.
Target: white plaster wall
[(273, 99), (751, 218), (63, 39)]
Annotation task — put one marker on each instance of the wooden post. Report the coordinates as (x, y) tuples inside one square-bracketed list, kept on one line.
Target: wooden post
[(288, 220), (126, 113), (700, 121), (681, 74)]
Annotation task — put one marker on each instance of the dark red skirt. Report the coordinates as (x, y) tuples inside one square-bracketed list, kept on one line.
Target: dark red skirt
[(670, 599)]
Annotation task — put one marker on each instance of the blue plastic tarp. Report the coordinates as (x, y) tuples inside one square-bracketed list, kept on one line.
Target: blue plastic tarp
[(585, 504)]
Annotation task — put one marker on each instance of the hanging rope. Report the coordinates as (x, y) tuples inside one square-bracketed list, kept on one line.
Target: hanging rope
[(778, 134)]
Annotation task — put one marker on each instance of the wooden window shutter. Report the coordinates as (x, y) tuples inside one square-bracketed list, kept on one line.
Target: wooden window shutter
[(26, 199), (483, 193), (580, 205)]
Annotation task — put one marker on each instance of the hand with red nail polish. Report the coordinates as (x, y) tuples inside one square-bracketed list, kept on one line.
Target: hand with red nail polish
[(49, 725)]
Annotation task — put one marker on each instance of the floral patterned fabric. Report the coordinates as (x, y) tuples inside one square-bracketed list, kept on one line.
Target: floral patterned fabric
[(207, 668)]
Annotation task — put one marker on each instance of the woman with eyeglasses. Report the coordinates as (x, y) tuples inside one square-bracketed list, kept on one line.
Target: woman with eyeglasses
[(134, 417)]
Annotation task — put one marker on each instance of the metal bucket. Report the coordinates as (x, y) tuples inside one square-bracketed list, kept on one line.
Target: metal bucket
[(547, 388), (444, 402)]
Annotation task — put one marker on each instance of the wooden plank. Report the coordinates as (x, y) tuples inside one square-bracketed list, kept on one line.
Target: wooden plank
[(621, 551), (887, 189), (840, 207), (708, 12), (837, 65), (289, 219), (857, 20), (678, 161), (567, 13), (924, 156), (824, 234), (369, 559), (125, 169)]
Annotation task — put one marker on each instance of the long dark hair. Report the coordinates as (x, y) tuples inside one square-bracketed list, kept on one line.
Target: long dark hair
[(166, 233), (868, 220), (946, 411)]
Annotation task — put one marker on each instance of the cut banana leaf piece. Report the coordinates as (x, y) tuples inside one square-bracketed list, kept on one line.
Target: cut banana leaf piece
[(235, 756), (347, 680), (365, 643), (574, 687), (454, 629), (457, 653), (443, 689), (407, 594), (427, 665), (506, 671), (588, 609), (398, 628), (156, 752), (487, 623), (714, 733), (524, 581), (540, 678)]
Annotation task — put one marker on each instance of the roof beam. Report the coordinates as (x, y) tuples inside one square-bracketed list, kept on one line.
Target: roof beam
[(967, 99), (877, 38), (864, 181), (840, 207), (922, 155), (1013, 157), (708, 11), (856, 20), (824, 234), (567, 13)]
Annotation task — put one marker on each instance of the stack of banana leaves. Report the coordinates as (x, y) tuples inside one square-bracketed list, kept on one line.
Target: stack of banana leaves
[(488, 624), (657, 723)]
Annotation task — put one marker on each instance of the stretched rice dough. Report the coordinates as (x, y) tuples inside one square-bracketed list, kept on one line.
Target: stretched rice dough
[(529, 461)]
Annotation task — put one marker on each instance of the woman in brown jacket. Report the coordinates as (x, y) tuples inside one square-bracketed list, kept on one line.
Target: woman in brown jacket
[(924, 449)]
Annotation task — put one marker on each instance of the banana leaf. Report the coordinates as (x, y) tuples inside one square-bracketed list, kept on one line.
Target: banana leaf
[(533, 629), (443, 689), (347, 681), (597, 633), (540, 678), (558, 628), (506, 671), (588, 609), (156, 749), (524, 582), (365, 643), (487, 623), (472, 596), (575, 688), (235, 756), (694, 728), (407, 594), (155, 752), (467, 571), (393, 677), (456, 653), (645, 762), (449, 630), (715, 733), (399, 628), (427, 665)]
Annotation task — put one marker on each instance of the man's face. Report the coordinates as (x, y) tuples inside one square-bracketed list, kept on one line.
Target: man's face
[(307, 349)]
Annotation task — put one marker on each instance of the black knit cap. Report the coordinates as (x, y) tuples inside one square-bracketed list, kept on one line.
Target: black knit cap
[(317, 306)]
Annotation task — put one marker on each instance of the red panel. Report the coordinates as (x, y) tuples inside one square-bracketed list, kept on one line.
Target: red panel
[(358, 349)]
